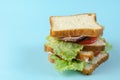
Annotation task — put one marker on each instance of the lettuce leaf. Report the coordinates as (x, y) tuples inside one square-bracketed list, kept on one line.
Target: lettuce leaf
[(63, 65), (108, 46), (66, 50)]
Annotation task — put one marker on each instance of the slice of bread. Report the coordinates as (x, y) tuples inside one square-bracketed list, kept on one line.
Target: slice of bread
[(95, 63), (89, 68), (99, 45), (75, 25)]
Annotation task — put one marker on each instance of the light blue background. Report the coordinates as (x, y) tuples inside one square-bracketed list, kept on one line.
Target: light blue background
[(24, 25)]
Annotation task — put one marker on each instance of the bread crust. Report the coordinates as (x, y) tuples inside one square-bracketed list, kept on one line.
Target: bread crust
[(48, 48), (94, 48), (77, 32)]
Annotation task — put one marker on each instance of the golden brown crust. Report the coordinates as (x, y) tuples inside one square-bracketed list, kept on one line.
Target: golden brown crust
[(48, 49), (94, 66), (77, 32), (94, 48)]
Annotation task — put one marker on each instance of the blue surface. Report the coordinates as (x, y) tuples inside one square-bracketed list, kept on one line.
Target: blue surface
[(24, 24)]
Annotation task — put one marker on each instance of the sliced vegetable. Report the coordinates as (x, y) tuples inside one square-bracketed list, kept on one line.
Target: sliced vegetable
[(96, 53), (88, 40)]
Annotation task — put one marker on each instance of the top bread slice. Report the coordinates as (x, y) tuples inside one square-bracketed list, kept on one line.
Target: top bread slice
[(75, 25)]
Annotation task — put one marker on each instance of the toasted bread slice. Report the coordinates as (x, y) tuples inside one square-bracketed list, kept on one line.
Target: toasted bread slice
[(75, 25), (99, 45), (89, 68), (95, 63)]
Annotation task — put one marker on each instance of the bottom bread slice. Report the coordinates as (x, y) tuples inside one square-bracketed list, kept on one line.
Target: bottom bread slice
[(89, 68)]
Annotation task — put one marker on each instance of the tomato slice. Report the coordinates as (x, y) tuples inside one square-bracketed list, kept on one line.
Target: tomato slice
[(89, 40), (97, 53)]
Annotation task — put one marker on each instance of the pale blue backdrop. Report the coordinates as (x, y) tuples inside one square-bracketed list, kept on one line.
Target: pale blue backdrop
[(24, 25)]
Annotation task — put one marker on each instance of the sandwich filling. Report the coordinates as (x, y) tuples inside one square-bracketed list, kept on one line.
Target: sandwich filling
[(69, 54), (80, 39)]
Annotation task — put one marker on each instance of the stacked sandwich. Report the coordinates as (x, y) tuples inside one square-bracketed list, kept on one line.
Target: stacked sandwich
[(75, 43)]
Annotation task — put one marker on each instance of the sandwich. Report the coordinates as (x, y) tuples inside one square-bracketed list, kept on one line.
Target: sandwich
[(76, 43)]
